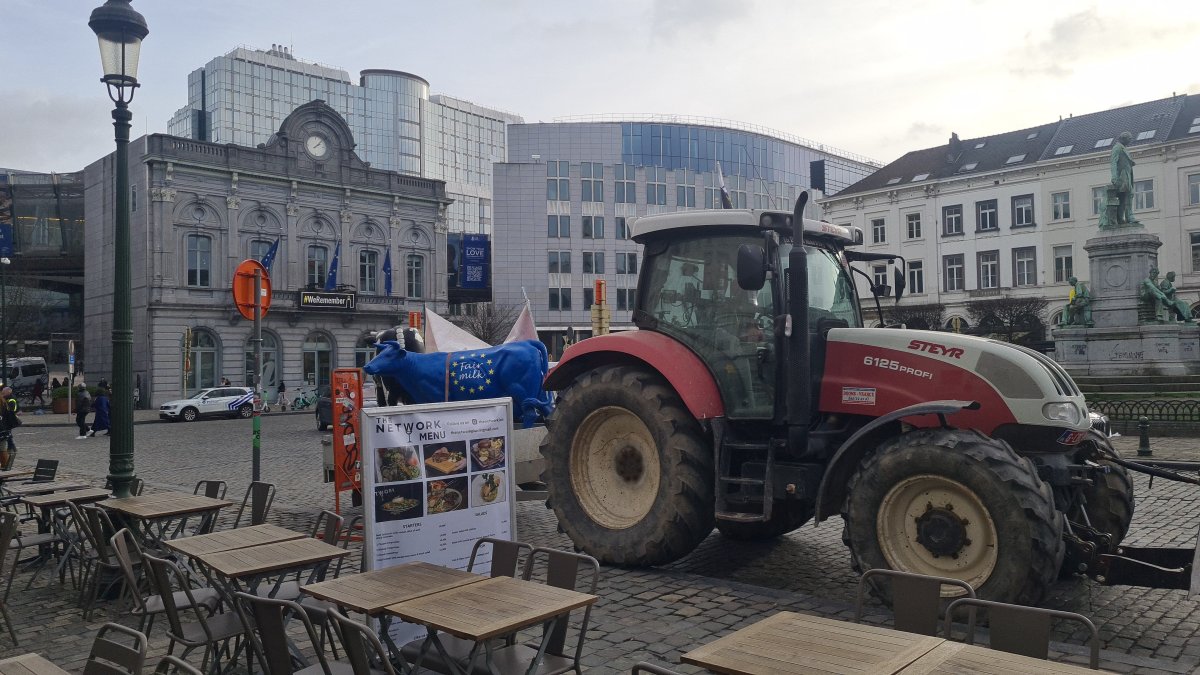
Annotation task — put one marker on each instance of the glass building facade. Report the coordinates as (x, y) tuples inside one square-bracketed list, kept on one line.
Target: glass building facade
[(244, 96)]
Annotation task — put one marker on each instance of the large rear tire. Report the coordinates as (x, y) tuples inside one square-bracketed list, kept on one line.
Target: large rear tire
[(785, 517), (628, 470), (955, 503)]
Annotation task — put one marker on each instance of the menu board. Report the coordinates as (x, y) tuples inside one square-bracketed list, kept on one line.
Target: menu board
[(436, 477)]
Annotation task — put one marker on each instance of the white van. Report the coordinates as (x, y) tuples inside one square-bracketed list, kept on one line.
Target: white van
[(22, 373)]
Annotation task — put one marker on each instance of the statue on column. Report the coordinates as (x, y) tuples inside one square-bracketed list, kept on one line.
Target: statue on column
[(1117, 209), (1078, 311), (1175, 307)]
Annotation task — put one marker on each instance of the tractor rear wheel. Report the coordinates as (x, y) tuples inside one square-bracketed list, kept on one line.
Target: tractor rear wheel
[(785, 517), (955, 503), (628, 471)]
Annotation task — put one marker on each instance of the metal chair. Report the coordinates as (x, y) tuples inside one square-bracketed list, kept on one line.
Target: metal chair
[(1018, 629), (213, 489), (50, 544), (174, 664), (8, 530), (328, 526), (259, 497), (211, 631), (113, 657), (136, 486), (364, 652), (317, 609), (644, 667), (266, 621), (916, 598), (44, 471), (129, 554), (97, 555)]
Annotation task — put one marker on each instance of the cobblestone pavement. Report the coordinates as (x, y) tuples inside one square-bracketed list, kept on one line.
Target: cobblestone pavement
[(643, 614)]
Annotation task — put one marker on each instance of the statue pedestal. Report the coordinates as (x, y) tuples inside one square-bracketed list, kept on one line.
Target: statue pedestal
[(1165, 349), (1119, 261)]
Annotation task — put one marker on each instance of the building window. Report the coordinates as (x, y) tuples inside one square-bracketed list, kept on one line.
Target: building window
[(916, 277), (414, 268), (560, 299), (1022, 211), (624, 298), (558, 227), (205, 361), (625, 191), (133, 198), (952, 220), (913, 221), (592, 181), (1064, 264), (1195, 240), (879, 274), (593, 262), (878, 231), (368, 271), (1062, 205), (589, 298), (737, 190), (989, 269), (626, 263), (1025, 266), (259, 248), (271, 358), (656, 185), (558, 185), (317, 265), (1194, 189), (985, 215), (952, 272), (199, 260), (622, 228), (1143, 194), (1099, 195), (685, 189), (317, 352), (559, 262), (593, 227)]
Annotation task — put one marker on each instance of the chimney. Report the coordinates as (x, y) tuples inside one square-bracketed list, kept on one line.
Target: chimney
[(954, 150)]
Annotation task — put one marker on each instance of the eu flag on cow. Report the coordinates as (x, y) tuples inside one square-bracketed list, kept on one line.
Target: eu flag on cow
[(269, 256), (331, 278), (387, 272)]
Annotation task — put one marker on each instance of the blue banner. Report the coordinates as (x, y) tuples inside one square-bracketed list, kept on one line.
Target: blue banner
[(476, 255), (6, 240), (6, 219)]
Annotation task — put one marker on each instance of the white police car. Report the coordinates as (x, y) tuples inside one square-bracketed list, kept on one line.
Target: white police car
[(214, 402)]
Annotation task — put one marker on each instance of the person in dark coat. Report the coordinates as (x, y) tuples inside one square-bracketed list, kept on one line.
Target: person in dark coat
[(101, 421), (83, 406), (54, 384)]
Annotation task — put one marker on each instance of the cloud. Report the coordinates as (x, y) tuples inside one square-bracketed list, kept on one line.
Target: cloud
[(695, 19), (57, 132)]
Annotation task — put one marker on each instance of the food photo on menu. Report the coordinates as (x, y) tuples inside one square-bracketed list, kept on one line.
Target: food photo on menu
[(487, 488), (444, 496), (487, 453), (398, 464), (445, 459), (398, 502)]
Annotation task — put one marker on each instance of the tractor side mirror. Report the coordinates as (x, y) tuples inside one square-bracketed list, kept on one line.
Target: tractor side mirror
[(881, 290), (751, 267), (899, 282)]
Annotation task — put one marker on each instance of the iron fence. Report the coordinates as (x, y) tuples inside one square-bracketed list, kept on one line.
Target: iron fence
[(1156, 410)]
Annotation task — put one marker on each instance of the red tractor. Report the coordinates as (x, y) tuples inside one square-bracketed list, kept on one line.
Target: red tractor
[(753, 398)]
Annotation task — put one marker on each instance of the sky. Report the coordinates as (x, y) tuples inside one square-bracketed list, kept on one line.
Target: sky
[(873, 78)]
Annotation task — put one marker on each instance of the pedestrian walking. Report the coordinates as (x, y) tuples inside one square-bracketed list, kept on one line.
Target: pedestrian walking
[(100, 421), (225, 382), (282, 399), (54, 384), (83, 406), (38, 388), (9, 423)]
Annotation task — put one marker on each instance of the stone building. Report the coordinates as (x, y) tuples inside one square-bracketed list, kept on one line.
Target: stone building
[(200, 208)]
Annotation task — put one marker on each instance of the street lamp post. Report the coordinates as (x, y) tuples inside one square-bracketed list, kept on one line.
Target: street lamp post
[(120, 31)]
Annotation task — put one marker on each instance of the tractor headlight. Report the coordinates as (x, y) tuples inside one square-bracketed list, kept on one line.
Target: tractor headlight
[(1064, 411)]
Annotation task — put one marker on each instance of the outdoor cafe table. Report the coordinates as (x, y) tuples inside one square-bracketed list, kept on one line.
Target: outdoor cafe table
[(46, 487), (955, 658), (227, 540), (14, 474), (246, 568), (488, 609), (29, 664), (155, 511)]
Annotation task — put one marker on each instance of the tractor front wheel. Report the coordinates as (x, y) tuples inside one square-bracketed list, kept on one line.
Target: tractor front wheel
[(628, 471), (955, 503)]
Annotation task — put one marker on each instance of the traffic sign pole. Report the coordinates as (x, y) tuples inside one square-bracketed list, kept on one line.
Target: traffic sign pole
[(257, 451)]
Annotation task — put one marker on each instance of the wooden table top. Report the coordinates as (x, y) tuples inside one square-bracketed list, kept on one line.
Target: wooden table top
[(15, 473), (164, 505), (29, 664), (798, 643), (60, 498), (953, 658), (371, 592), (44, 488), (280, 555), (490, 608), (228, 540)]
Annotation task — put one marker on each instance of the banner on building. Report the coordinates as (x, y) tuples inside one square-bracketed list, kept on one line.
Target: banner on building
[(468, 263), (326, 301)]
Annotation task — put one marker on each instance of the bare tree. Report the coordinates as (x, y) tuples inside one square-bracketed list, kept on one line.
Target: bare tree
[(929, 316), (29, 312), (1010, 318), (489, 322)]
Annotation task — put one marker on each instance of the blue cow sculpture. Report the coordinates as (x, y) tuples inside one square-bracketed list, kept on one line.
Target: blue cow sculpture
[(514, 369)]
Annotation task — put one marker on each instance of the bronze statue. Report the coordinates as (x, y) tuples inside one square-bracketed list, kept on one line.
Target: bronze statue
[(1175, 306), (1118, 207), (1078, 311), (1153, 299)]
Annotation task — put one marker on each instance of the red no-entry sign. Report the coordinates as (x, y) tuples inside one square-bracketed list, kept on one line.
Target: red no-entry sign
[(243, 288)]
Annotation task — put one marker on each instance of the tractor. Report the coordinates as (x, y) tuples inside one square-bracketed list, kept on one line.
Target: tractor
[(753, 398)]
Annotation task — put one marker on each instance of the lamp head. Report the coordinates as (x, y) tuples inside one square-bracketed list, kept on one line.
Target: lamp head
[(120, 30)]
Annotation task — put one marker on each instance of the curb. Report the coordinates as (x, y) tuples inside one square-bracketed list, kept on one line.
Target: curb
[(29, 420)]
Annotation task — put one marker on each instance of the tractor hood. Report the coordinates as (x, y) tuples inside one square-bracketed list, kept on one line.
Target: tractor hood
[(874, 371)]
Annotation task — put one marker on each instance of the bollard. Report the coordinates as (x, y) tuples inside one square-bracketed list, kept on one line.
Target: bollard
[(1143, 436)]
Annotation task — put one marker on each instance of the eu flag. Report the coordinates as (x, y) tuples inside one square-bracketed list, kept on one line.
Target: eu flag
[(331, 278), (387, 272), (269, 256)]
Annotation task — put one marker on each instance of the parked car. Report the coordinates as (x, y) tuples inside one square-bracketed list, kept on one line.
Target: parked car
[(24, 372), (325, 404), (213, 402)]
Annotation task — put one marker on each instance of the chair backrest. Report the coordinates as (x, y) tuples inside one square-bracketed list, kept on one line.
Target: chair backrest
[(102, 530), (45, 470), (213, 489), (269, 618), (9, 527), (174, 664), (165, 579), (83, 528), (258, 497), (644, 667), (125, 547), (137, 486), (562, 571), (1018, 629), (363, 649), (328, 527), (506, 555), (352, 528), (117, 650), (916, 598)]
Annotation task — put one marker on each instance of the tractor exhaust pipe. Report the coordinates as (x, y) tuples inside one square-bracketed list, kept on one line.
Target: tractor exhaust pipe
[(799, 377)]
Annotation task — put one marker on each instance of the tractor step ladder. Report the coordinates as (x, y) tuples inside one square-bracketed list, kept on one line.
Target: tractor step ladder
[(724, 480)]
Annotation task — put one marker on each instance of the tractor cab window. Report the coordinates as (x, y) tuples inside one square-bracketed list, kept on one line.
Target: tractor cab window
[(691, 288), (831, 294)]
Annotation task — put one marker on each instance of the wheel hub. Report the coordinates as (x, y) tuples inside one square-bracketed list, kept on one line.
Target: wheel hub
[(941, 531), (629, 464), (614, 465)]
